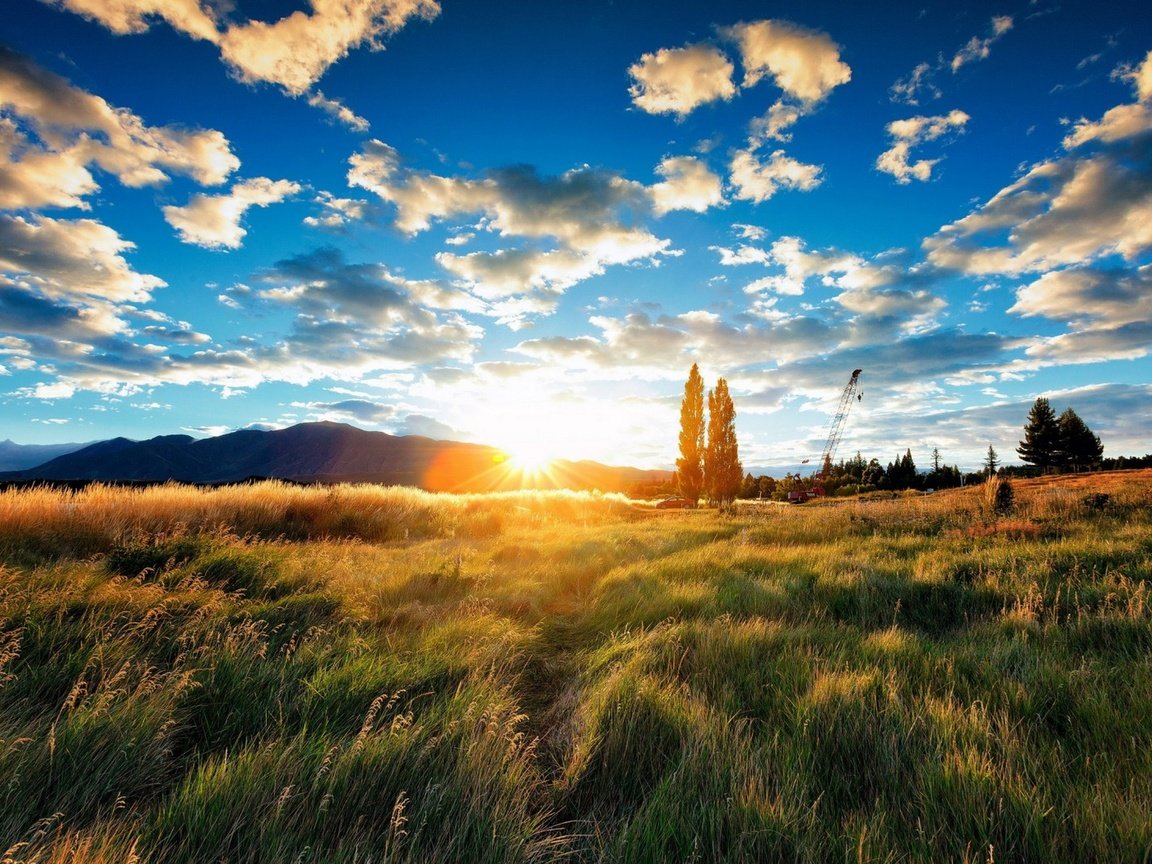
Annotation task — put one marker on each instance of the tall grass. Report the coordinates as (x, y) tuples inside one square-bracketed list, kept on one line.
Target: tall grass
[(274, 673)]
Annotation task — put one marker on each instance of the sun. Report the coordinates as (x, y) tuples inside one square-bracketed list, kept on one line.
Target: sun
[(530, 457)]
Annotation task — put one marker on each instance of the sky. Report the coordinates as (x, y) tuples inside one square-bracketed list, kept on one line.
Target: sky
[(521, 224)]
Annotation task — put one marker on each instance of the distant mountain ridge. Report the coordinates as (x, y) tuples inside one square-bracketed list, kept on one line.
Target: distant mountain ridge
[(325, 452), (16, 457)]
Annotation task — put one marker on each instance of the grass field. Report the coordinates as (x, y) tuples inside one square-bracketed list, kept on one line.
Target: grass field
[(281, 674)]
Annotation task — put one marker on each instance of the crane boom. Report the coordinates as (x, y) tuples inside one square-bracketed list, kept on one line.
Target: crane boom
[(837, 430)]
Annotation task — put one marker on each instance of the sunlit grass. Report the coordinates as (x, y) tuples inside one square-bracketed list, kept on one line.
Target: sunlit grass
[(278, 673)]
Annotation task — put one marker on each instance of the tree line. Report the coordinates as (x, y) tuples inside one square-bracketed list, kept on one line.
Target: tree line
[(709, 464)]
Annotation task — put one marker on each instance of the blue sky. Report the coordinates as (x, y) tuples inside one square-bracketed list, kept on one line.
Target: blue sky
[(521, 224)]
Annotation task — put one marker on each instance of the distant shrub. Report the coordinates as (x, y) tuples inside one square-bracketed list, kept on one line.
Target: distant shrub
[(1097, 501)]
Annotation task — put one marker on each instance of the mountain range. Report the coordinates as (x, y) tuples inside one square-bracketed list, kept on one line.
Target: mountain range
[(326, 452)]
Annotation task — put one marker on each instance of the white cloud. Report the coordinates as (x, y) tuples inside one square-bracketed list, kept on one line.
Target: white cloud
[(804, 63), (906, 134), (76, 129), (979, 49), (688, 185), (774, 125), (1123, 121), (80, 258), (577, 223), (677, 80), (919, 82), (213, 221), (758, 181), (338, 111), (337, 212), (54, 390), (1141, 77), (742, 255), (1067, 211), (1089, 297), (749, 232), (293, 52)]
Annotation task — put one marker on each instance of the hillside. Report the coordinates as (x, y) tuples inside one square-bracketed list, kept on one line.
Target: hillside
[(328, 453)]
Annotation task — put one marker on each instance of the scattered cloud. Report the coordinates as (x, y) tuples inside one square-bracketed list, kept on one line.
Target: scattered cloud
[(978, 48), (688, 184), (338, 111), (572, 226), (293, 52), (755, 180), (337, 212), (213, 221), (804, 63), (53, 133), (678, 80), (71, 258), (920, 83), (908, 133)]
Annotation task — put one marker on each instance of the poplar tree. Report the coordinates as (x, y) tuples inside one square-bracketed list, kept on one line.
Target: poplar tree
[(722, 469), (1041, 442), (690, 465)]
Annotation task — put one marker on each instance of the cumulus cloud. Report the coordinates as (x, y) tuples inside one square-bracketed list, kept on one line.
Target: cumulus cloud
[(574, 224), (978, 48), (1093, 202), (908, 133), (54, 132), (133, 16), (756, 180), (688, 184), (79, 258), (678, 80), (213, 221), (804, 63), (293, 52), (1089, 296), (1123, 121), (1141, 78), (1067, 211)]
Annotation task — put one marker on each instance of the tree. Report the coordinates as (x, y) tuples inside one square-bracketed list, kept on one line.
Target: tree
[(722, 470), (991, 461), (1041, 436), (690, 465), (1079, 446), (935, 460)]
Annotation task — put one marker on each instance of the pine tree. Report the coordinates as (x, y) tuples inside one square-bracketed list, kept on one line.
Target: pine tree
[(690, 465), (722, 469), (1079, 446), (1041, 436), (991, 461)]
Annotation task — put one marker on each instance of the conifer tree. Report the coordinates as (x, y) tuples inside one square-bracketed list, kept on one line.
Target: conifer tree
[(1041, 436), (991, 461), (722, 469), (1079, 446), (690, 465)]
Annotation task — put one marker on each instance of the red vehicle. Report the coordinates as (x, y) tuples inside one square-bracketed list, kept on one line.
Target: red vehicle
[(675, 503)]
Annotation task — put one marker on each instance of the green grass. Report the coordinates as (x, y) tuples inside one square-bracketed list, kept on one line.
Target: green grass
[(361, 675)]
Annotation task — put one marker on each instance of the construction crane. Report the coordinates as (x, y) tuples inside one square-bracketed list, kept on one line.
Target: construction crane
[(851, 393)]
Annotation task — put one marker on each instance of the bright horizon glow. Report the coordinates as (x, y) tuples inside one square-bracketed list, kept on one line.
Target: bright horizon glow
[(521, 226)]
